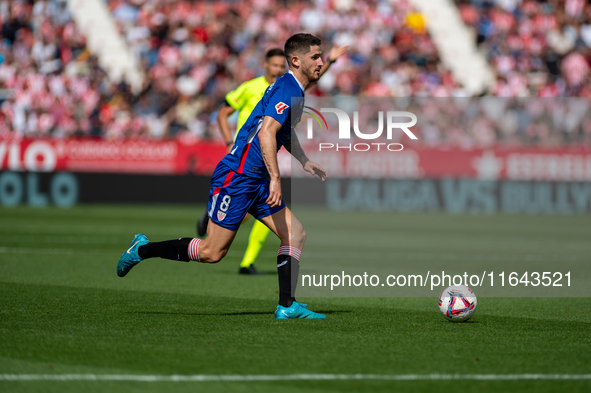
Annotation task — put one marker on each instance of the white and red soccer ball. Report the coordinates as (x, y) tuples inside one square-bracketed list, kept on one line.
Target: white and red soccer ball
[(457, 303)]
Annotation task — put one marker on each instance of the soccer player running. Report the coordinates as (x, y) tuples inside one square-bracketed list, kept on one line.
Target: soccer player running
[(247, 180), (244, 99)]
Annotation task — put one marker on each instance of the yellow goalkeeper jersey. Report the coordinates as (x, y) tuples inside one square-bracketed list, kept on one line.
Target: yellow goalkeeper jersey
[(245, 98)]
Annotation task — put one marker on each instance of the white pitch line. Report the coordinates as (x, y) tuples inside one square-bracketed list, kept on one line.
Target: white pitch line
[(290, 377)]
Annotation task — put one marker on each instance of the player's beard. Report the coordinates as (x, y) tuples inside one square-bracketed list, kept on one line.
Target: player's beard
[(313, 76)]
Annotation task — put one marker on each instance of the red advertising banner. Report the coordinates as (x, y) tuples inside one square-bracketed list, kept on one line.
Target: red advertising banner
[(528, 164), (174, 157), (128, 156)]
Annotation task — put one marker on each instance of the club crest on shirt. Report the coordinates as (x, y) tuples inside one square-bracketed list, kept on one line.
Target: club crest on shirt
[(221, 215), (280, 107)]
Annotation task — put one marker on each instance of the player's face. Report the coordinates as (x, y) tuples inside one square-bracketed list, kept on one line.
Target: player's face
[(312, 63), (275, 67)]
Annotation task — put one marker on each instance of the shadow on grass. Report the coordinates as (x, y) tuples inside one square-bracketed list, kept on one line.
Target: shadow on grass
[(460, 322), (261, 273), (226, 313), (55, 305), (201, 314)]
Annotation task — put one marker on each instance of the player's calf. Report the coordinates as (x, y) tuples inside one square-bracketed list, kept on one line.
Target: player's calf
[(184, 249), (288, 269), (176, 250)]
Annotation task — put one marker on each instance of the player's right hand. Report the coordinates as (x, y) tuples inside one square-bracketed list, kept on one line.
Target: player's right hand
[(336, 52), (315, 169), (230, 147), (274, 199)]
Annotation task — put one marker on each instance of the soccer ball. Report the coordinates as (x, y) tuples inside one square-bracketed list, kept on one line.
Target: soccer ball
[(457, 303)]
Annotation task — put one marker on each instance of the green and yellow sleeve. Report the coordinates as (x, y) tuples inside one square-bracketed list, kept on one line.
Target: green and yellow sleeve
[(239, 98)]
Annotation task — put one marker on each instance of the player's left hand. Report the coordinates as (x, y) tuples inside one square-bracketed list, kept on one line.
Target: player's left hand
[(315, 169), (274, 199), (337, 51)]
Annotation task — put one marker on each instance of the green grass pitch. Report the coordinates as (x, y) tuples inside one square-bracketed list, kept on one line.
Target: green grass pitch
[(63, 310)]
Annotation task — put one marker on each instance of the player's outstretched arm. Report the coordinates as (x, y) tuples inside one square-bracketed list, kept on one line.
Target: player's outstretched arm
[(223, 114), (268, 139), (293, 146)]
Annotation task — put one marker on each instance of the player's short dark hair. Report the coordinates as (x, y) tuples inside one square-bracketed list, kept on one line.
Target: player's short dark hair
[(300, 44), (274, 52)]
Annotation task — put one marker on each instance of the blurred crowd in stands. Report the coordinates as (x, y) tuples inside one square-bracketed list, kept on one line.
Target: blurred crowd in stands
[(537, 48), (194, 52), (464, 122), (50, 83)]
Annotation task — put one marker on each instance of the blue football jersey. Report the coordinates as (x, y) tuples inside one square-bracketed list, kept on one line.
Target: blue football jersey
[(277, 103)]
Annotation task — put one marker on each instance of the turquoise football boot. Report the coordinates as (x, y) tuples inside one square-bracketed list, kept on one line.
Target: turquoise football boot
[(130, 258), (296, 311)]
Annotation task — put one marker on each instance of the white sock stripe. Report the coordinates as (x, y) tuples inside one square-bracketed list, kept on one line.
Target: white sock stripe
[(290, 250), (194, 249), (296, 254), (190, 250)]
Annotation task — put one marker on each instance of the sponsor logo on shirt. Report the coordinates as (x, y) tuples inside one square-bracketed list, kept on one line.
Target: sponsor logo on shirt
[(280, 107)]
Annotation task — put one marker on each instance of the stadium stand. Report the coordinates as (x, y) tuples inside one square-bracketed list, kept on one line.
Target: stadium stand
[(51, 84), (193, 50), (192, 53), (482, 122), (103, 39), (538, 48), (456, 45)]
